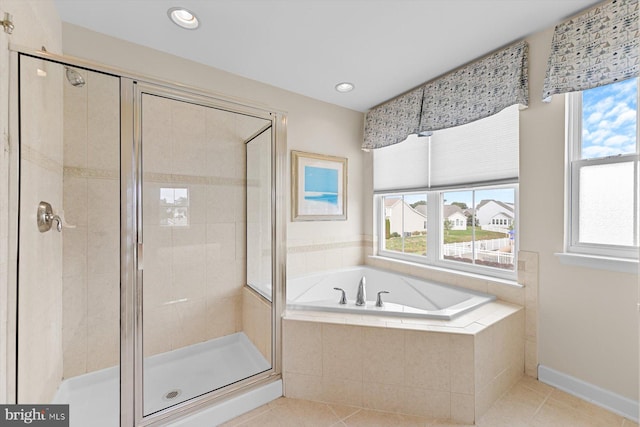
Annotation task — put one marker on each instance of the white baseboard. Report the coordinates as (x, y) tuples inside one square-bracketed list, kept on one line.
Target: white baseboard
[(591, 393)]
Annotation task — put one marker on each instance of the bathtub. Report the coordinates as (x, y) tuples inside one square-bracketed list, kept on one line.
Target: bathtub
[(408, 296)]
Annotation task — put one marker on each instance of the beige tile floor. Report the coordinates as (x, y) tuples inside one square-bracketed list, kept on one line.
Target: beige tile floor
[(529, 403)]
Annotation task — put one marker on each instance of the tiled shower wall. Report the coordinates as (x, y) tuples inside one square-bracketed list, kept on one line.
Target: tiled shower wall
[(194, 229), (257, 320), (91, 261), (195, 250)]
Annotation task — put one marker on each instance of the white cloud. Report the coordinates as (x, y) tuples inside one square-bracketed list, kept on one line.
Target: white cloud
[(594, 117), (626, 116), (617, 140)]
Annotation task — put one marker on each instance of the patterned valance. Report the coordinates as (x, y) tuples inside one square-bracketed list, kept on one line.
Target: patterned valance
[(594, 49), (393, 121), (478, 90), (472, 92)]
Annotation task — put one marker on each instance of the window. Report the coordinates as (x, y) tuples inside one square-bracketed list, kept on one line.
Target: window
[(405, 223), (602, 163), (460, 226), (449, 200), (483, 239), (174, 207)]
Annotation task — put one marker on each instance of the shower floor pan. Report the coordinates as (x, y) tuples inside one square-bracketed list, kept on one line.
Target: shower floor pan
[(169, 378)]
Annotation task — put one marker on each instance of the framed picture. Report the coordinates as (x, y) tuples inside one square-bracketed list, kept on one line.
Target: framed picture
[(318, 187)]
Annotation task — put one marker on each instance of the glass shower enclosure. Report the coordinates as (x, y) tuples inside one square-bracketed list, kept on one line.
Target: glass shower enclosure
[(149, 244)]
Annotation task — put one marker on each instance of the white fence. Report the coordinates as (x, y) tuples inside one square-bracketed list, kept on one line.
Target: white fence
[(486, 250), (498, 228), (495, 256)]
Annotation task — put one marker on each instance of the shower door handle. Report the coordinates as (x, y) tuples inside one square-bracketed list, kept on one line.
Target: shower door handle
[(140, 256)]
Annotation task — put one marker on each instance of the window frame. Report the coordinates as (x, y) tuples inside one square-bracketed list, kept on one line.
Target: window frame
[(434, 257), (573, 164)]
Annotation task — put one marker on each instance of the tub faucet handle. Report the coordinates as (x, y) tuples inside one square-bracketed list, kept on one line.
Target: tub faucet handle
[(343, 298), (379, 302)]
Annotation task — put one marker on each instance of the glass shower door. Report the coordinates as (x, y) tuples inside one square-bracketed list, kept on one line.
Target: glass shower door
[(69, 235), (194, 190)]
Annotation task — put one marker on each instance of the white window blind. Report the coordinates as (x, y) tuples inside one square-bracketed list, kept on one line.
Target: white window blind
[(402, 166), (482, 151)]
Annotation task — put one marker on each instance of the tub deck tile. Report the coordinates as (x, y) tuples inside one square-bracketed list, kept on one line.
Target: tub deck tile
[(469, 323)]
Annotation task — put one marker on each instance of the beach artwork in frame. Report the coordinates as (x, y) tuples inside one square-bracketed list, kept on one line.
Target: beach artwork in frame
[(319, 187)]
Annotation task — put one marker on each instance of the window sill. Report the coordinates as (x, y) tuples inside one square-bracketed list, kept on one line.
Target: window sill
[(509, 282), (621, 265)]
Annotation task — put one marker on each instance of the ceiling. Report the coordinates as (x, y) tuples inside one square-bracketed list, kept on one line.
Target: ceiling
[(384, 47)]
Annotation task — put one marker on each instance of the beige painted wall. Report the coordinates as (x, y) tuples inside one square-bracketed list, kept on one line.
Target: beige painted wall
[(36, 24), (588, 322)]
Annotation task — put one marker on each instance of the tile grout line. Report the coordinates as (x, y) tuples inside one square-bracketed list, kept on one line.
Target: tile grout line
[(358, 410), (544, 402), (254, 417)]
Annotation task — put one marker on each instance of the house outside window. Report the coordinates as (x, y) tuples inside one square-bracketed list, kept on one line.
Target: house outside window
[(602, 171), (405, 223)]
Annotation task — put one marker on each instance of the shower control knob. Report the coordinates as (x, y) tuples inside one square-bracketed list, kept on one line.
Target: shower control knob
[(45, 218)]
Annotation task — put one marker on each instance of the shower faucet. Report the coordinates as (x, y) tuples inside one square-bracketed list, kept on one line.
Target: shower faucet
[(45, 218)]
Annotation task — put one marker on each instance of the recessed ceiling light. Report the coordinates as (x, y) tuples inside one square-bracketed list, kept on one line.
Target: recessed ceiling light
[(345, 87), (183, 18)]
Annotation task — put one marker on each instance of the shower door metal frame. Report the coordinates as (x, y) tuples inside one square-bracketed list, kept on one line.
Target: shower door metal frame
[(137, 89), (131, 85), (13, 225)]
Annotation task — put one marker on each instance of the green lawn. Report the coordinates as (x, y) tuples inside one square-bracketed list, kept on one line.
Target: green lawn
[(418, 244), (412, 245), (457, 236)]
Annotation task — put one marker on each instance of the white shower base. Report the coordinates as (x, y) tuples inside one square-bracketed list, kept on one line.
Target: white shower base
[(94, 398)]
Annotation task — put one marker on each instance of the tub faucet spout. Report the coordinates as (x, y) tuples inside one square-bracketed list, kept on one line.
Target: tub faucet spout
[(361, 298)]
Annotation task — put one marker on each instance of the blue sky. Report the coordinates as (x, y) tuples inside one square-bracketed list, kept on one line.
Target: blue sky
[(609, 119)]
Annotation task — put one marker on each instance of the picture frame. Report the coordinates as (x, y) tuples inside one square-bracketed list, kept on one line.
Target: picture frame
[(318, 187)]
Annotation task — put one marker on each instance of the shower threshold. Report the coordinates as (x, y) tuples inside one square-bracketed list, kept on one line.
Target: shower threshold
[(169, 378)]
